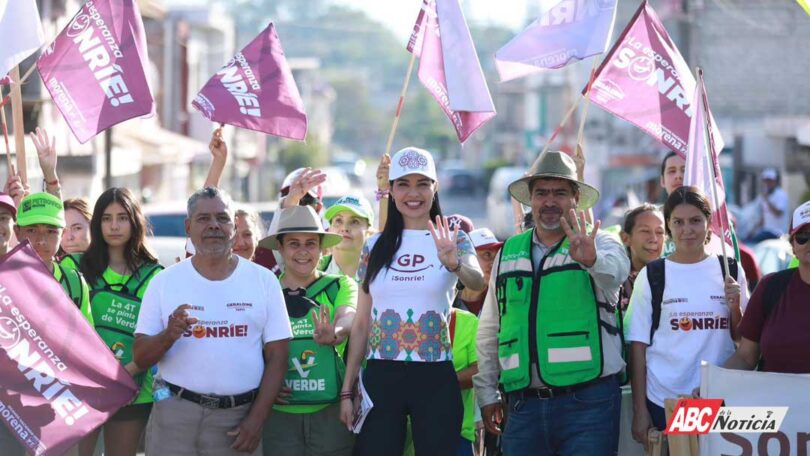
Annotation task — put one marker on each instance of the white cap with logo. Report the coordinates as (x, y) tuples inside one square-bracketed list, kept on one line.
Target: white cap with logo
[(483, 238), (801, 218), (412, 160)]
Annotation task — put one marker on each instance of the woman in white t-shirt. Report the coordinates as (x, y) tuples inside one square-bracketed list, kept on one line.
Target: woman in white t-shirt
[(699, 313), (408, 275)]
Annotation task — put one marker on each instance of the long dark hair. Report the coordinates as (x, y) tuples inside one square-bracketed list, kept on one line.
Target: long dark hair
[(382, 255), (692, 196), (97, 257)]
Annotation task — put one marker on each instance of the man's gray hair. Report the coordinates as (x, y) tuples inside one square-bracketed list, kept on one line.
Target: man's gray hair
[(209, 193)]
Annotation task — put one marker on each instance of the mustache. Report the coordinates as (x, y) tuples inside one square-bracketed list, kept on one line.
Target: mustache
[(551, 210)]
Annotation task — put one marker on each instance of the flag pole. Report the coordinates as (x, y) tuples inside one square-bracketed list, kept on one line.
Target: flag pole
[(557, 130), (587, 104), (3, 102), (710, 154), (400, 104), (19, 128)]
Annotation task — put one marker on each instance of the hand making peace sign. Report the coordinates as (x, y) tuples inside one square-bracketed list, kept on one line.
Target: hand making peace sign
[(445, 243), (583, 245)]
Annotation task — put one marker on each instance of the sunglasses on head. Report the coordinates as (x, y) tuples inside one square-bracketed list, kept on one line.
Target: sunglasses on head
[(801, 238)]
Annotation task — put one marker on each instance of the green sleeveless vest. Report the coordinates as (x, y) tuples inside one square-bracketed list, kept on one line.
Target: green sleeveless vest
[(315, 372), (72, 283), (560, 331), (115, 313)]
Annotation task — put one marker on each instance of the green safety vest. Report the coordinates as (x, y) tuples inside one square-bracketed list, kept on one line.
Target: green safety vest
[(115, 313), (71, 260), (315, 372), (71, 282), (549, 318)]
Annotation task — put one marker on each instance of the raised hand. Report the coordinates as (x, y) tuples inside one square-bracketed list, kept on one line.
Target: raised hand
[(579, 160), (305, 182), (582, 245), (46, 152), (383, 171), (324, 329), (217, 146), (15, 187), (445, 242)]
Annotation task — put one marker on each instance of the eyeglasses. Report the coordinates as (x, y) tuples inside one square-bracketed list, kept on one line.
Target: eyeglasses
[(802, 238)]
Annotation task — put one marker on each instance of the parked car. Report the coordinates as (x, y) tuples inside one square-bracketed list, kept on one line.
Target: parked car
[(168, 219), (773, 255), (459, 181), (499, 202), (167, 248)]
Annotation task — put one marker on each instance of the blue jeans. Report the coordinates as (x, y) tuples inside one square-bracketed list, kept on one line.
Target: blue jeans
[(585, 422)]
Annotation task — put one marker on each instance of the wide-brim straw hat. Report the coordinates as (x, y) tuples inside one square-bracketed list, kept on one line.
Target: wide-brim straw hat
[(556, 165), (300, 219)]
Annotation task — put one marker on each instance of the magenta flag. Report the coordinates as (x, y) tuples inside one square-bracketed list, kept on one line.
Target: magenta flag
[(569, 31), (645, 81), (95, 69), (59, 379), (256, 90), (703, 167), (449, 67)]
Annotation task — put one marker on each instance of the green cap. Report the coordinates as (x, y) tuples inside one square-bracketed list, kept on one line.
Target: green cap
[(42, 208), (357, 205)]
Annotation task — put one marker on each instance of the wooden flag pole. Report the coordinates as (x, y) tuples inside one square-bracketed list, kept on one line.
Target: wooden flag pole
[(710, 154), (557, 131), (384, 207), (401, 103), (19, 128), (3, 102), (581, 132)]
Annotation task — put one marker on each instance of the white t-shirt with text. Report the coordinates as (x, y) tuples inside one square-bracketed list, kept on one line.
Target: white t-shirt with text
[(694, 325), (223, 352)]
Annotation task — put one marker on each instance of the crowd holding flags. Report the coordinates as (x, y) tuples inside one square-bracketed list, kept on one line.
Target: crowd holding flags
[(96, 72)]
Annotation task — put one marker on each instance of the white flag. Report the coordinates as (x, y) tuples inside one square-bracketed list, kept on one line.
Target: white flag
[(20, 32)]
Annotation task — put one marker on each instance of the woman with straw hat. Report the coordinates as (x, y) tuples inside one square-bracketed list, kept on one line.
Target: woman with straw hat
[(305, 419)]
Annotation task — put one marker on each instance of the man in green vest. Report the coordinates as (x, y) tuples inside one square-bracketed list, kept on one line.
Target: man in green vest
[(547, 335)]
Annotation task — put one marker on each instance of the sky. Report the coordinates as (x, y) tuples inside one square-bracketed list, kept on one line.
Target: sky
[(399, 15)]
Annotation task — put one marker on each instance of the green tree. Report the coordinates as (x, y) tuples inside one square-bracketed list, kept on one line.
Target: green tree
[(311, 152)]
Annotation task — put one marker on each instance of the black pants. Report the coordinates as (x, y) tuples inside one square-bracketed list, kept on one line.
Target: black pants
[(428, 392)]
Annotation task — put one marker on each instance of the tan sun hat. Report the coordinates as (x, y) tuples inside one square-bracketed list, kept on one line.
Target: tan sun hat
[(300, 219), (557, 165)]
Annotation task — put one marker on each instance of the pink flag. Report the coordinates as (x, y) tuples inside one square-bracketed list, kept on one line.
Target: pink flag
[(95, 69), (702, 165), (60, 381), (569, 31), (256, 90), (449, 67), (645, 81), (20, 32)]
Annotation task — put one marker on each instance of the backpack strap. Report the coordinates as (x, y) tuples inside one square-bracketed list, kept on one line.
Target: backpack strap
[(656, 278), (325, 284), (324, 262), (733, 269), (140, 277)]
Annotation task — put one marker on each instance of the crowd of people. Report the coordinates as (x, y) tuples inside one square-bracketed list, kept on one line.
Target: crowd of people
[(267, 340)]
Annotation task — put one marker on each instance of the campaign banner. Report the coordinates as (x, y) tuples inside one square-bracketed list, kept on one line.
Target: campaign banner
[(60, 381), (95, 68), (569, 31), (449, 66), (758, 393), (256, 90), (645, 81)]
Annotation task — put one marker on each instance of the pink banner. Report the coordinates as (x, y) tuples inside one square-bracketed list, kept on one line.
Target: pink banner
[(702, 164), (468, 89), (60, 381), (256, 90), (645, 80), (94, 70)]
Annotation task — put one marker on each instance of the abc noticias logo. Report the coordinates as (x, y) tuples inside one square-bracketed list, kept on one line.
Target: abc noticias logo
[(702, 416)]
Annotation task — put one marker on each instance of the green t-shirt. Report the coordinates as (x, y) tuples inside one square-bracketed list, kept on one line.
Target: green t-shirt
[(346, 296), (84, 306), (116, 282), (464, 355)]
